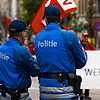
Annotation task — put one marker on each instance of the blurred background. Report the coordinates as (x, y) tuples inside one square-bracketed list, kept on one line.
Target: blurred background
[(84, 19)]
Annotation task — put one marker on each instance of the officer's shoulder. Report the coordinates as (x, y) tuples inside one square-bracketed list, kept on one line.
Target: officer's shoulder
[(21, 49), (69, 34), (22, 52), (40, 33)]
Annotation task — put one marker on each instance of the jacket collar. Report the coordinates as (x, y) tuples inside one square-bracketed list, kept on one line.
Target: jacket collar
[(14, 41), (53, 26)]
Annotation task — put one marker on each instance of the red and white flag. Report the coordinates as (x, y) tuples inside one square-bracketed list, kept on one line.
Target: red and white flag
[(66, 7)]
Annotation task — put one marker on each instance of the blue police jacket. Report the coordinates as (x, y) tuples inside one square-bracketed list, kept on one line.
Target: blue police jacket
[(16, 65), (59, 50)]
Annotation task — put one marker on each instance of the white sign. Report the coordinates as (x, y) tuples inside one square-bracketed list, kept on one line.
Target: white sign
[(91, 72)]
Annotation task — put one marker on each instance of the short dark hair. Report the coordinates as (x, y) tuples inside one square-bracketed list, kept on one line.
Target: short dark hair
[(17, 34), (53, 19)]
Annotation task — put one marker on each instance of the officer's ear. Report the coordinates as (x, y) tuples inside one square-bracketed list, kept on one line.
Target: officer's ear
[(21, 34), (60, 20), (46, 21)]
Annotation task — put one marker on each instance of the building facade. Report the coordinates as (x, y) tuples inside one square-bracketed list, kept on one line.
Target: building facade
[(8, 8), (81, 9), (2, 23), (82, 6)]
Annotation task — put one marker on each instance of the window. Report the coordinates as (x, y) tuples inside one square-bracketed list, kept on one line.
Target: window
[(79, 8), (98, 6), (86, 3)]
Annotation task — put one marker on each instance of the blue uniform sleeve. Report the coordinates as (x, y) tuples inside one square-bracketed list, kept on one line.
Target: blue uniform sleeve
[(77, 49), (79, 53), (27, 61)]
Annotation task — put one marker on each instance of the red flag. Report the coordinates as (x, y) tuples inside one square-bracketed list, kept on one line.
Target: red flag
[(7, 21), (37, 20), (66, 7)]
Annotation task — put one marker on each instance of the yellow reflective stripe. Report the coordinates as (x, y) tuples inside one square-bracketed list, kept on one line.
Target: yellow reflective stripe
[(84, 52)]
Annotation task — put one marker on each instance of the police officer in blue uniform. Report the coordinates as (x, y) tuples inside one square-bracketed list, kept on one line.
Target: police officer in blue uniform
[(16, 64), (59, 53)]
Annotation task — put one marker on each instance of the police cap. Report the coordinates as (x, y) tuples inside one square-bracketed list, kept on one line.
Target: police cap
[(17, 26), (52, 10)]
